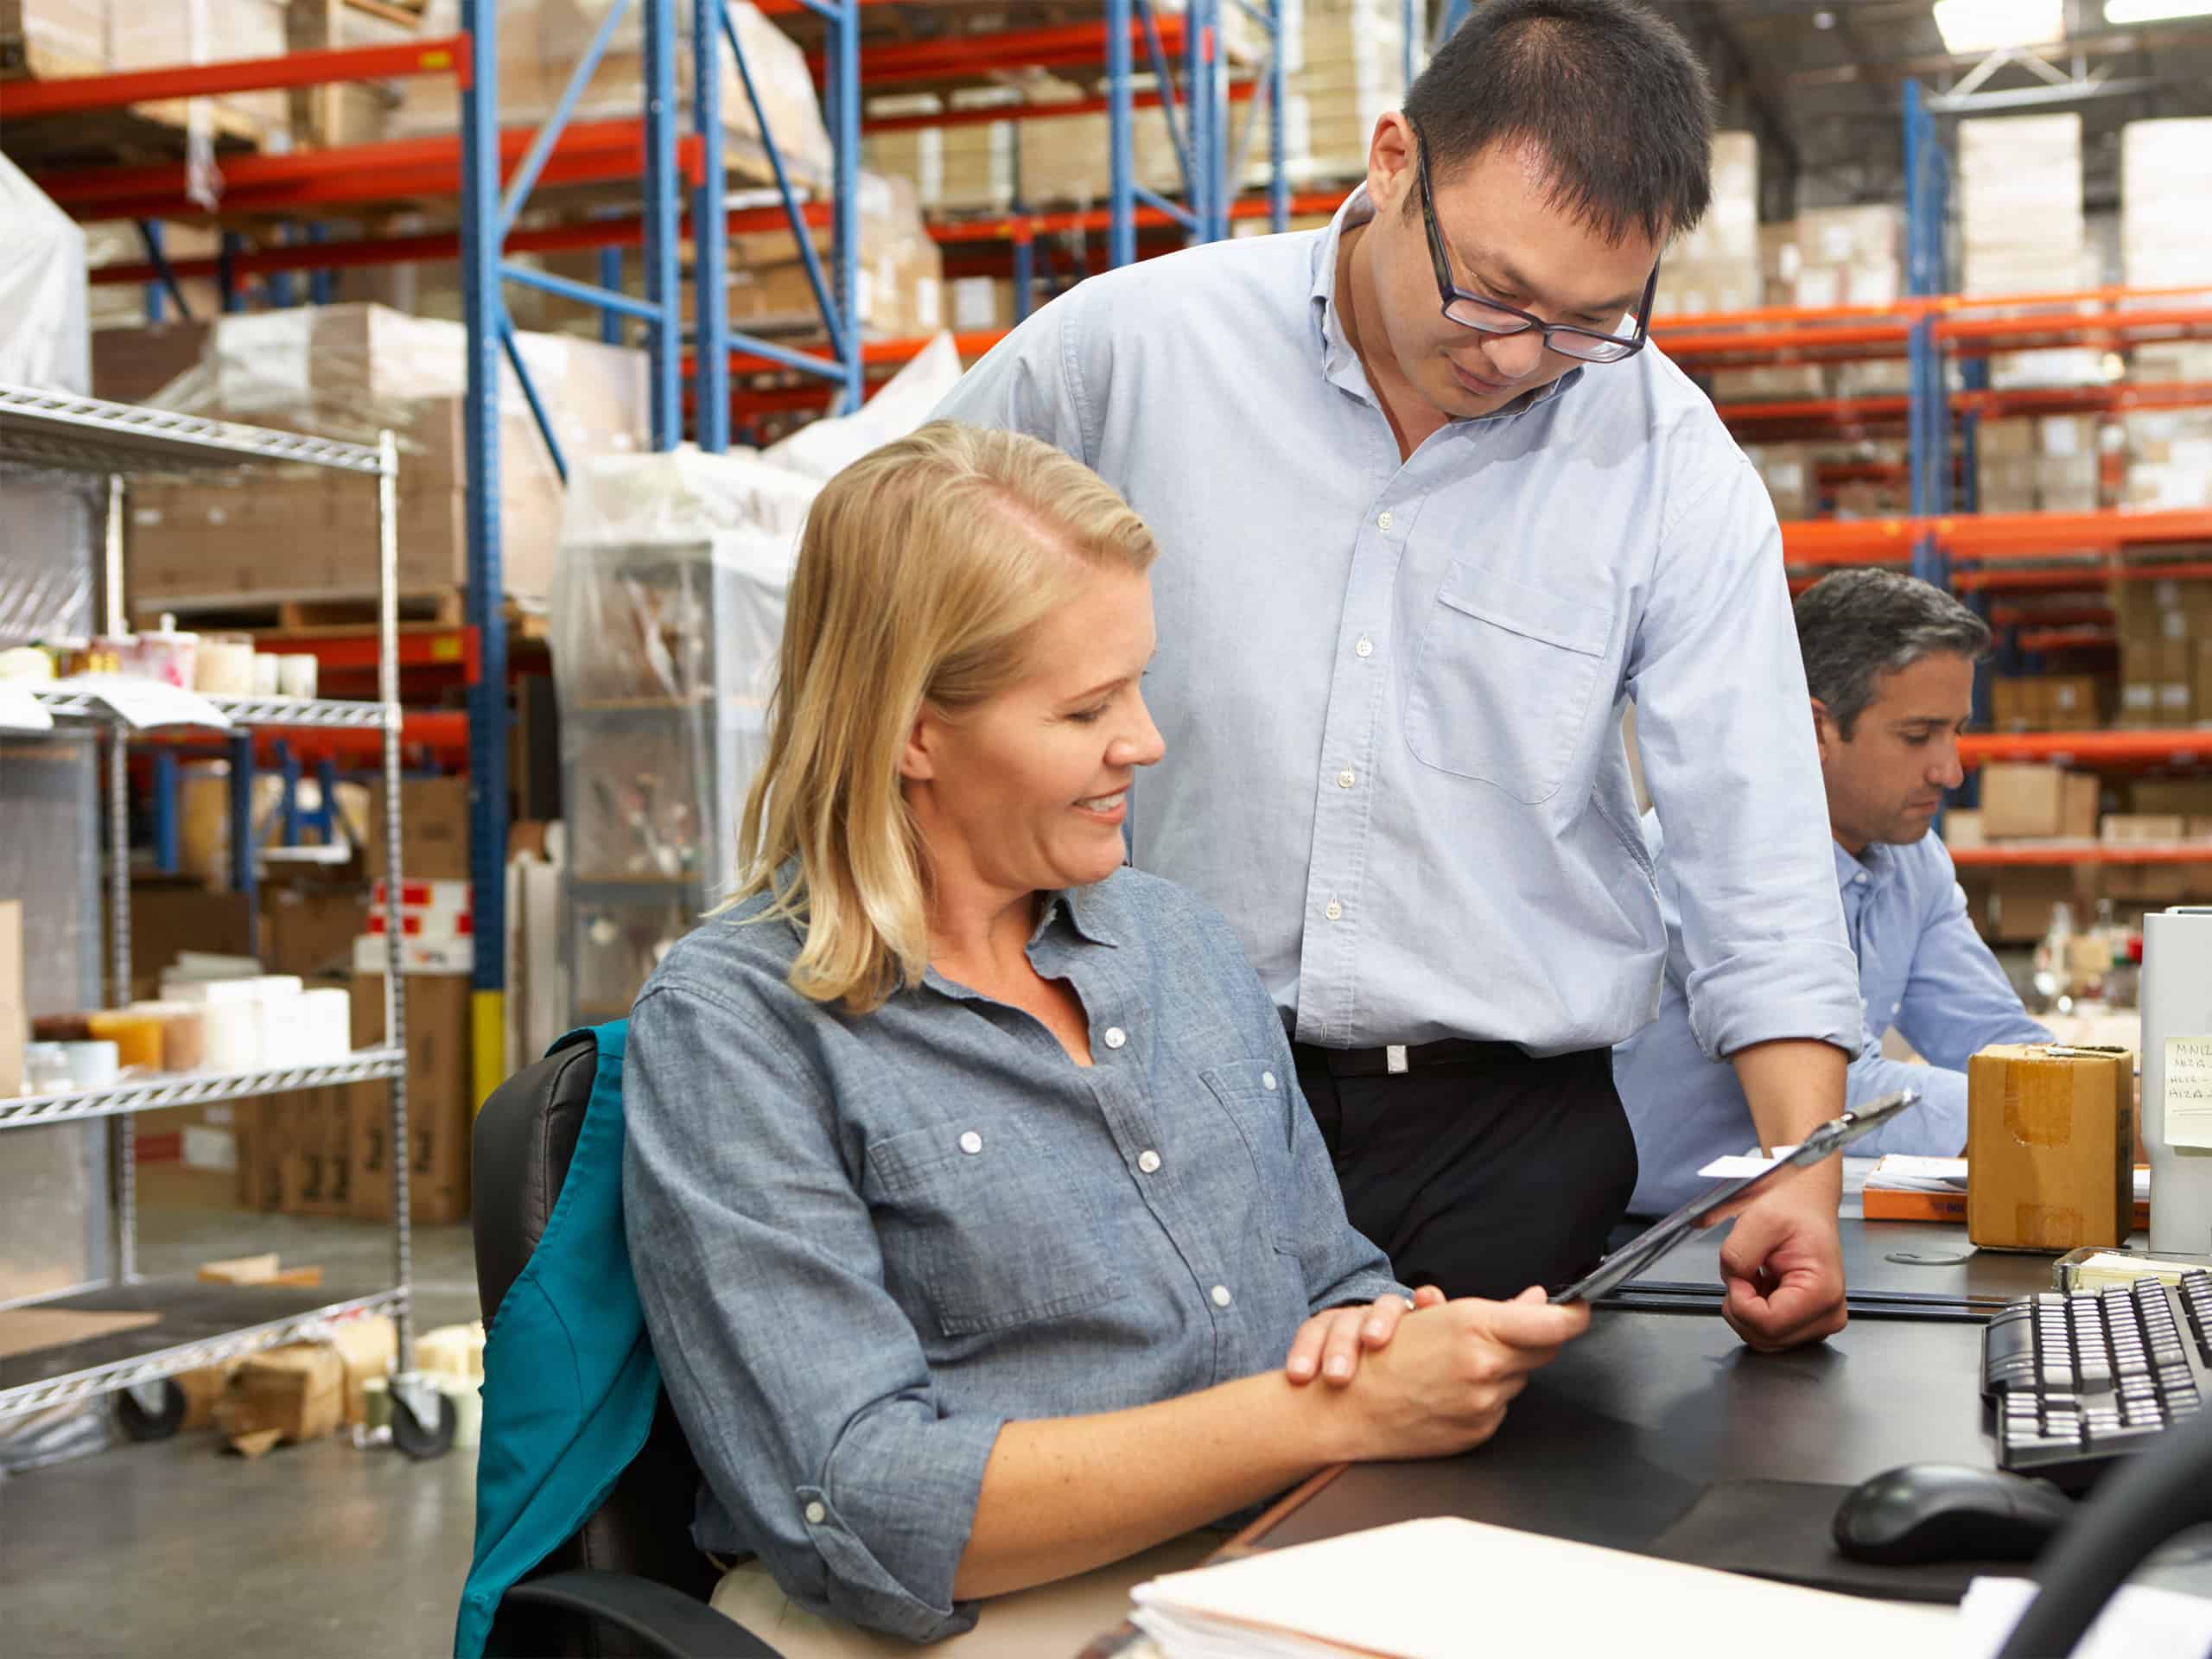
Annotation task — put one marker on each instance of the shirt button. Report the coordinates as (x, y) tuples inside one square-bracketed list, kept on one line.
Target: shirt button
[(1115, 1037), (1267, 1081), (1365, 648), (815, 1514), (1382, 521), (971, 1141), (1347, 778), (1148, 1161), (1333, 911), (1220, 1296)]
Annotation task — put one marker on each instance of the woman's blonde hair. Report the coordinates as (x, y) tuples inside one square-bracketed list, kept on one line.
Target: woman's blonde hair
[(926, 569)]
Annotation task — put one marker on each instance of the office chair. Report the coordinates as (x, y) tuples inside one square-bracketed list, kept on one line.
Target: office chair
[(630, 1580), (2164, 1487)]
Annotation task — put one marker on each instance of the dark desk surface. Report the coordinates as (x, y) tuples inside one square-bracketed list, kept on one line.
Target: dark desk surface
[(1616, 1439), (1911, 1257)]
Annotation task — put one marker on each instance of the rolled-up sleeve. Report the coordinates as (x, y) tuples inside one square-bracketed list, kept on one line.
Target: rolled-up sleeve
[(800, 1383), (1724, 727)]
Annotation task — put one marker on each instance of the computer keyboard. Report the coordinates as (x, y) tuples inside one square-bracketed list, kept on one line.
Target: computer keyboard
[(2079, 1380)]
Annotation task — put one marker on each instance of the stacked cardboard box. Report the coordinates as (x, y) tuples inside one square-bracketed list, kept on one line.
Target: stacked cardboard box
[(2165, 651), (1344, 71), (344, 371), (59, 38), (440, 1106), (1716, 266), (980, 303), (2051, 703), (1779, 262), (2168, 451), (1848, 256), (2020, 214), (347, 112), (967, 169), (899, 292), (2166, 179), (2047, 465), (1786, 469), (541, 42), (2035, 803)]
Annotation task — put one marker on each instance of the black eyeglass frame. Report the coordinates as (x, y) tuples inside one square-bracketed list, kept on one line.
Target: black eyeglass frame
[(1451, 294)]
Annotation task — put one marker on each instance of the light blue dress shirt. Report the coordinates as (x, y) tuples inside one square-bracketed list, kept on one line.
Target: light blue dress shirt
[(864, 1242), (1391, 691), (1922, 969)]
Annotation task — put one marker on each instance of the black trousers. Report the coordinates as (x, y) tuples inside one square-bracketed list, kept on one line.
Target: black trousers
[(1483, 1174)]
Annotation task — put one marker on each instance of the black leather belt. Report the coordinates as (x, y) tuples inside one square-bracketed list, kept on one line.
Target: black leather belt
[(1398, 1057)]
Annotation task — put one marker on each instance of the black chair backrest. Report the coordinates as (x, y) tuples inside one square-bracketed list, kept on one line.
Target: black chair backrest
[(525, 1135)]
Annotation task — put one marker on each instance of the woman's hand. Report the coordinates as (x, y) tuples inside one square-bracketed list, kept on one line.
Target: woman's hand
[(1443, 1384), (1329, 1344)]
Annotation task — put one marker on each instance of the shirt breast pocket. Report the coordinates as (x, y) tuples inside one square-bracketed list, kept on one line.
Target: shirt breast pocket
[(987, 1224), (1502, 680), (1258, 1101)]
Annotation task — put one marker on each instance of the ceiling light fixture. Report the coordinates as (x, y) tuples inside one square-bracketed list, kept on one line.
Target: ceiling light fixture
[(2118, 12), (1974, 26)]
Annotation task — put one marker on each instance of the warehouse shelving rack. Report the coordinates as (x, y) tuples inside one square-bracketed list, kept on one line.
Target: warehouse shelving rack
[(204, 1324)]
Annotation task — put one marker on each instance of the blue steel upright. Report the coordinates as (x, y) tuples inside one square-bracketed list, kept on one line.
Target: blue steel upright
[(1927, 409), (664, 391), (1121, 148), (710, 303)]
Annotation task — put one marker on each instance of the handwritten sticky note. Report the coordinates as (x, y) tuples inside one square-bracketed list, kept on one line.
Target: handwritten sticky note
[(2188, 1091)]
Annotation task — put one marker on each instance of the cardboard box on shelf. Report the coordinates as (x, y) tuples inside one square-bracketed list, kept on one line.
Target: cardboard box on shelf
[(2022, 899), (2051, 1139), (2029, 802), (309, 927), (440, 1110), (2149, 885), (2072, 702), (317, 1156), (433, 828), (2190, 796), (2134, 828), (1963, 828), (170, 914), (186, 1158), (2016, 704)]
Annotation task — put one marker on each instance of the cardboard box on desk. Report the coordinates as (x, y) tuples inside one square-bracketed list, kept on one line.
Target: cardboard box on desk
[(2050, 1136), (2036, 802), (440, 1112)]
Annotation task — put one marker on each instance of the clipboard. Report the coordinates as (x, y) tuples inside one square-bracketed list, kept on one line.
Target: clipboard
[(1648, 1246)]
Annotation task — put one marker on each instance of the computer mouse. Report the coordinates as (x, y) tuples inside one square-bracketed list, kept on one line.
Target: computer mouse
[(1949, 1512)]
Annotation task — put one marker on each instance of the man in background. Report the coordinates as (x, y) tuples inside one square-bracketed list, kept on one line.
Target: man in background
[(1889, 663)]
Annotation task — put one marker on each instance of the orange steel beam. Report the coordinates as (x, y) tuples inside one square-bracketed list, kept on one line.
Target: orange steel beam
[(443, 54), (1097, 220), (1069, 46), (1239, 91), (364, 171), (2181, 747), (2082, 852), (433, 247), (2068, 639)]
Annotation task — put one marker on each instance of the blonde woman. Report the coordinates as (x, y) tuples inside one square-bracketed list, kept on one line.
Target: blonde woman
[(983, 1237)]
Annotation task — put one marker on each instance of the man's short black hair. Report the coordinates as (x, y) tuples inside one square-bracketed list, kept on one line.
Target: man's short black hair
[(1608, 94)]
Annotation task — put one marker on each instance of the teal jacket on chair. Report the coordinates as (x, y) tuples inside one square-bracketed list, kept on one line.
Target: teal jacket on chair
[(570, 1377)]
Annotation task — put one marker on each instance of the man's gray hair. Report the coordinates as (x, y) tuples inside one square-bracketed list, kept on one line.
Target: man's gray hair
[(1857, 626)]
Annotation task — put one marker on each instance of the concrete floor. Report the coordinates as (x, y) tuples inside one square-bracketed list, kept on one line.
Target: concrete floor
[(180, 1549)]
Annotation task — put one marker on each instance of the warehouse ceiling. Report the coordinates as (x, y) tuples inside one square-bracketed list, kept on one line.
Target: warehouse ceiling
[(1820, 82)]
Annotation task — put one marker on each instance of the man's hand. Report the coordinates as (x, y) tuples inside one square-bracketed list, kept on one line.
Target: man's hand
[(1330, 1344), (1783, 1263)]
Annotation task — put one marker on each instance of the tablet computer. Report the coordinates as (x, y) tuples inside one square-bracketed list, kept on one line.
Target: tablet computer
[(1648, 1247)]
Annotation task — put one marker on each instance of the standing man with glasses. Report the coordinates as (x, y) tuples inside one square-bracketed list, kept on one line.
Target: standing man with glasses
[(1431, 513)]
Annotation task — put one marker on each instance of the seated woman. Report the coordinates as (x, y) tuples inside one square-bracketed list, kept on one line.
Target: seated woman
[(981, 1231)]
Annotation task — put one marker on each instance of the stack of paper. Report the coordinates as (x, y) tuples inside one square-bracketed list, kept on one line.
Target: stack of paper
[(1445, 1588)]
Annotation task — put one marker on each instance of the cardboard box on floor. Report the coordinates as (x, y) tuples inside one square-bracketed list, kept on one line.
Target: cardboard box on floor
[(2050, 1139), (316, 1159), (298, 1392), (2038, 803), (440, 1113), (433, 829)]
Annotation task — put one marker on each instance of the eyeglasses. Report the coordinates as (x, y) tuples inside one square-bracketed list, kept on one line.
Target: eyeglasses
[(1490, 317)]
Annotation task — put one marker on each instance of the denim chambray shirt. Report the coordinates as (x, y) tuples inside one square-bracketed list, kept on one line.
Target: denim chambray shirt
[(863, 1244)]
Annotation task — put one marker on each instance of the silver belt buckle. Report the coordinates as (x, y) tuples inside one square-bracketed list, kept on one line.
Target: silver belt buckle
[(1393, 1057)]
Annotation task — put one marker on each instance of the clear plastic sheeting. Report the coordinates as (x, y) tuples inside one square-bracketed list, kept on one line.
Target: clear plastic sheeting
[(668, 615), (46, 557), (47, 343)]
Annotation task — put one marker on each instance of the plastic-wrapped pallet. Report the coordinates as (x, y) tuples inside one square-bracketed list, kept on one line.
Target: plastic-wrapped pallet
[(2165, 181), (2019, 196), (2047, 465), (541, 42), (161, 36), (2170, 450), (899, 290), (1344, 67), (50, 38), (969, 168), (1716, 266), (348, 371)]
